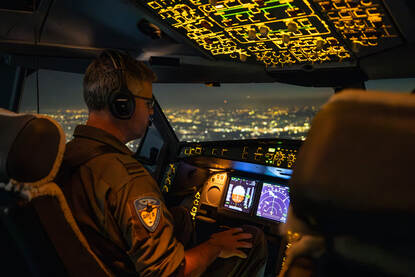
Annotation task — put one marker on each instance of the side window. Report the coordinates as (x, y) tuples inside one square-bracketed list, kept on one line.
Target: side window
[(396, 85), (60, 97), (150, 148)]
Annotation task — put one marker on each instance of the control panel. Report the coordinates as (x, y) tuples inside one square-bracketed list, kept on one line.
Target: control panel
[(279, 32), (245, 197), (271, 152)]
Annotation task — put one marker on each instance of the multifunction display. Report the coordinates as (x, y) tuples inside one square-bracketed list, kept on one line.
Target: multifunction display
[(257, 199), (240, 194), (273, 202)]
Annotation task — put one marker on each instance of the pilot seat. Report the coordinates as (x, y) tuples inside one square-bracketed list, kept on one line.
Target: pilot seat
[(353, 189), (38, 234)]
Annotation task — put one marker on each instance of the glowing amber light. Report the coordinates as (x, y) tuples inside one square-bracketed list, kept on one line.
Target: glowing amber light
[(275, 32)]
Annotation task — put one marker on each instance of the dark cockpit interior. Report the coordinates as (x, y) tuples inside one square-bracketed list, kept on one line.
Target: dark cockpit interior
[(349, 183)]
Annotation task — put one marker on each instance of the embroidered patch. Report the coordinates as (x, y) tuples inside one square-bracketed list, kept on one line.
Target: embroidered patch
[(148, 211)]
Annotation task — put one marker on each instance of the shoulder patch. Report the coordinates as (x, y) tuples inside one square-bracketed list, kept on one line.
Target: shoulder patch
[(148, 211)]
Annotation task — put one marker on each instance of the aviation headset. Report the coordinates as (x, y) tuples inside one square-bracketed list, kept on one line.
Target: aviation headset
[(121, 101)]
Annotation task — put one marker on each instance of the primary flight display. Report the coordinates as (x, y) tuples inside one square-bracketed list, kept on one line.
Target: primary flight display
[(240, 195)]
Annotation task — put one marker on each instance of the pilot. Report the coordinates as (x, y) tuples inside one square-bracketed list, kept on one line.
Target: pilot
[(118, 205)]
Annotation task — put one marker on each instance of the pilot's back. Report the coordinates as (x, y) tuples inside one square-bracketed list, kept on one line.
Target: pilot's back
[(96, 176), (89, 159)]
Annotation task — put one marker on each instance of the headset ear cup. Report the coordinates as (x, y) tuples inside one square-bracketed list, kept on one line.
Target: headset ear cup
[(122, 105)]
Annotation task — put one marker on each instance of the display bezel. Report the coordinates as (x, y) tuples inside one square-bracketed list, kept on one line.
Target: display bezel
[(222, 210), (225, 192), (274, 183)]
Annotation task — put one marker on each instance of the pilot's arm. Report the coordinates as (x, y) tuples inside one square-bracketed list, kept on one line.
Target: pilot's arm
[(148, 229), (224, 245)]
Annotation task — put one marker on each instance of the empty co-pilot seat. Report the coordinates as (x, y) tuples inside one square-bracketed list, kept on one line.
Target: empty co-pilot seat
[(353, 187), (36, 224)]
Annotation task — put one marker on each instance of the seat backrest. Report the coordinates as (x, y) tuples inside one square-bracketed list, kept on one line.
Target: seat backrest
[(35, 217), (354, 183)]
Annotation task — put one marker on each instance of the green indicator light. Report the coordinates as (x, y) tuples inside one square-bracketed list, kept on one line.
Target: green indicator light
[(271, 150), (272, 1), (278, 31), (279, 142), (277, 6)]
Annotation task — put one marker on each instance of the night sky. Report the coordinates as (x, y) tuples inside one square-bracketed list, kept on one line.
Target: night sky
[(60, 90)]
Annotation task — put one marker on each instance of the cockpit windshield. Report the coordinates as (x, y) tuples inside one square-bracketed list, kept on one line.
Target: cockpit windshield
[(240, 111), (198, 112)]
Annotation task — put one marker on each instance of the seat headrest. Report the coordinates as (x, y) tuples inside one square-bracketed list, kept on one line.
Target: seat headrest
[(31, 147), (357, 163)]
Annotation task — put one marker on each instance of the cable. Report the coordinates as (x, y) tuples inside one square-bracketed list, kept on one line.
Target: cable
[(42, 25), (37, 89)]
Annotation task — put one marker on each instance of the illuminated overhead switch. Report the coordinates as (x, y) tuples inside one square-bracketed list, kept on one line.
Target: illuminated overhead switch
[(356, 46), (263, 30), (292, 27), (252, 33), (243, 57), (366, 2), (320, 44), (285, 38)]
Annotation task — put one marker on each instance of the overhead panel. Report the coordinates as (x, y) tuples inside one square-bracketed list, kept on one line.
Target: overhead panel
[(277, 33), (364, 25)]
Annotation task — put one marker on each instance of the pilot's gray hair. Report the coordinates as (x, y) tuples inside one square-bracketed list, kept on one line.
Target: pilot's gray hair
[(101, 79)]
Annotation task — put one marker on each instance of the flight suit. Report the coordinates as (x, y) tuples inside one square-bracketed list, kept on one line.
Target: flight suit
[(122, 213), (118, 206)]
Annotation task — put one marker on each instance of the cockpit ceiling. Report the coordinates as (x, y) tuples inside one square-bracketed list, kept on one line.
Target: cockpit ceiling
[(277, 33)]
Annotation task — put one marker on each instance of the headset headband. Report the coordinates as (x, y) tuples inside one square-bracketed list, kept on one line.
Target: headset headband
[(121, 101)]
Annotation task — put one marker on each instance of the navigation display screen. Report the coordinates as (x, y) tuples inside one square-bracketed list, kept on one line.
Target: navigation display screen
[(240, 194), (274, 202)]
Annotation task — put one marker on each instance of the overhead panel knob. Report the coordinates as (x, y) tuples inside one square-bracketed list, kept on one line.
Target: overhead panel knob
[(242, 57), (252, 33), (285, 38), (263, 30), (292, 27), (320, 44)]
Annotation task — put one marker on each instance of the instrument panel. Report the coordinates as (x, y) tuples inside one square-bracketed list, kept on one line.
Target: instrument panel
[(277, 33), (232, 182), (270, 152), (237, 195)]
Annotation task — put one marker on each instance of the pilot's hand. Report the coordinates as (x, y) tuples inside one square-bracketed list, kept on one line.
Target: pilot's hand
[(229, 241)]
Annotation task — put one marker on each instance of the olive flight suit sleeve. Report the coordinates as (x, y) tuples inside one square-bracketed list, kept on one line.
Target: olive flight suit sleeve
[(147, 227)]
